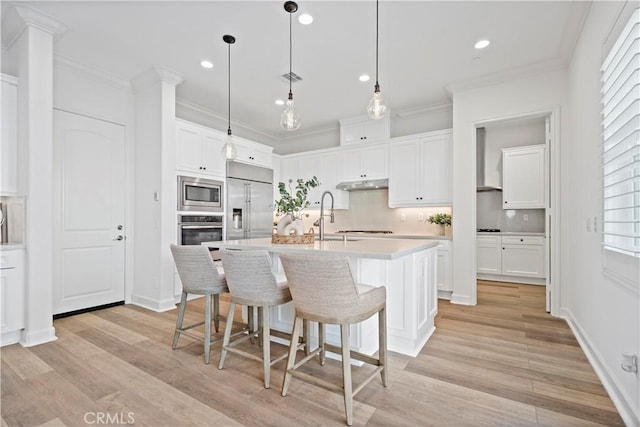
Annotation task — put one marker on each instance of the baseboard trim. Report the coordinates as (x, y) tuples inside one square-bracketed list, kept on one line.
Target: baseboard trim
[(460, 299), (153, 305), (622, 404), (512, 279), (42, 336), (8, 338)]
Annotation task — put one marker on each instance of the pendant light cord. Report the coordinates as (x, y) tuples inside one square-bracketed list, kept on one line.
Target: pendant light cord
[(229, 91), (290, 56), (377, 85)]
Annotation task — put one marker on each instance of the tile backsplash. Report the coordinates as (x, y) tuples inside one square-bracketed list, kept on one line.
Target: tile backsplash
[(369, 210), (13, 211), (492, 215)]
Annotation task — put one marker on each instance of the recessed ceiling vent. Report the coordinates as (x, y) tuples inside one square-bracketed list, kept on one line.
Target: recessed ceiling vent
[(291, 76)]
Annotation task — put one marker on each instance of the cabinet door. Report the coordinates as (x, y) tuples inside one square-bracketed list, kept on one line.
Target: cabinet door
[(523, 260), (12, 291), (444, 268), (212, 160), (189, 149), (351, 133), (489, 255), (374, 162), (523, 179), (330, 176), (435, 156), (9, 139), (252, 154), (308, 167), (403, 174), (289, 169), (375, 130), (352, 165)]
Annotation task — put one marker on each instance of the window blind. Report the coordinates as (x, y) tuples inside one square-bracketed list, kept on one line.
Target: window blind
[(621, 142)]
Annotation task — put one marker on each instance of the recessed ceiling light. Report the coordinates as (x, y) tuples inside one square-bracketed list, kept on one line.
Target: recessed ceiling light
[(305, 19), (206, 64), (279, 102), (364, 78), (482, 44)]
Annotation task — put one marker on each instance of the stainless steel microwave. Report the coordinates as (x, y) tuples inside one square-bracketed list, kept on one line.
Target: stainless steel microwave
[(198, 194)]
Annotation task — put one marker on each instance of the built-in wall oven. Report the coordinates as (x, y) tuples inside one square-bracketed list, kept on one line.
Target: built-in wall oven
[(195, 229), (198, 194)]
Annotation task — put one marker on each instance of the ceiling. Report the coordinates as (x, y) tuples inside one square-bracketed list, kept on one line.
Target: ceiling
[(425, 48)]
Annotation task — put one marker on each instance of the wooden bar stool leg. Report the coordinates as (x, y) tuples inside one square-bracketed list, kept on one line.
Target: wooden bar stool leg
[(382, 344), (346, 372), (291, 359), (227, 333), (207, 329), (266, 346), (306, 328), (216, 312), (176, 335), (321, 338), (260, 325)]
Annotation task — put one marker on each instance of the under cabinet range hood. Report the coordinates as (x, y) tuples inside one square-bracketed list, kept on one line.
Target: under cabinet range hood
[(481, 176), (365, 184)]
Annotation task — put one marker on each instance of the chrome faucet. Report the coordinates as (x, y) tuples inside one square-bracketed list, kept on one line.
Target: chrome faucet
[(321, 219)]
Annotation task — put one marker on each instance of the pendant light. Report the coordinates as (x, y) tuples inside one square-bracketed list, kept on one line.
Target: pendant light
[(290, 119), (376, 108), (229, 150)]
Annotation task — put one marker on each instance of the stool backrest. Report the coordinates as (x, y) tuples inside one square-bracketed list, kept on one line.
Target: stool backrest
[(249, 274), (197, 270), (320, 285)]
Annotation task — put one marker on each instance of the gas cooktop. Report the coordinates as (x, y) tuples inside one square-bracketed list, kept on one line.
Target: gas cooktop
[(488, 230), (366, 231)]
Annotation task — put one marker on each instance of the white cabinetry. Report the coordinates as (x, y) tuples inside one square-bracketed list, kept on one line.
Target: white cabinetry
[(365, 163), (326, 167), (11, 295), (523, 177), (9, 138), (363, 129), (199, 149), (253, 153), (511, 258), (420, 170), (444, 270)]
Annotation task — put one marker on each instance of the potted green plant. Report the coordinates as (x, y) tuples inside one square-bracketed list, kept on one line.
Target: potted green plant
[(443, 219), (293, 200)]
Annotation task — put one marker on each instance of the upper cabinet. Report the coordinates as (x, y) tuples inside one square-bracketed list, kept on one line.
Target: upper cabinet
[(326, 167), (199, 149), (523, 177), (364, 130), (420, 170), (9, 141), (253, 153), (365, 163)]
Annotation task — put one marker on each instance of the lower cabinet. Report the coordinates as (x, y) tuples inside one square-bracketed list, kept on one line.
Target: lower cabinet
[(509, 258), (11, 295), (444, 270)]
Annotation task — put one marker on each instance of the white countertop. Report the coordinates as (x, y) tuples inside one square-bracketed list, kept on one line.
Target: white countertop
[(510, 233), (390, 236), (365, 248), (11, 246)]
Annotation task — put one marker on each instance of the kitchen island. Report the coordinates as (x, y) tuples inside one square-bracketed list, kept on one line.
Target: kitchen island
[(407, 267)]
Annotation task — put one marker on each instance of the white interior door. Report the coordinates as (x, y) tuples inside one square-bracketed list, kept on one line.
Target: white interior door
[(89, 212)]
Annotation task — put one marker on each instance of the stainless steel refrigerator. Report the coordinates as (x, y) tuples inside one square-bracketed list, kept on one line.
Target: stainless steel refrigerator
[(249, 206)]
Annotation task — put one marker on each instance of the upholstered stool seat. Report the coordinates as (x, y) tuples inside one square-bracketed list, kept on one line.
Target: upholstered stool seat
[(324, 291), (252, 283), (199, 276)]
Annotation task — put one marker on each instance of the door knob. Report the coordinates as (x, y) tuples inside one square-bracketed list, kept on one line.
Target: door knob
[(119, 238), (119, 227)]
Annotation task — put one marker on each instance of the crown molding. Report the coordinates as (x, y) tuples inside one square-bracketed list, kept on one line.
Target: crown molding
[(155, 75), (410, 112), (23, 16), (510, 74), (74, 65)]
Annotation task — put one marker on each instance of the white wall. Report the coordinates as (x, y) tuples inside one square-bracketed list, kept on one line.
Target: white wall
[(529, 95), (606, 315)]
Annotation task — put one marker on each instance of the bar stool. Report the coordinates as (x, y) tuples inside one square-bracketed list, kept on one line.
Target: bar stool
[(199, 276), (252, 283), (324, 291)]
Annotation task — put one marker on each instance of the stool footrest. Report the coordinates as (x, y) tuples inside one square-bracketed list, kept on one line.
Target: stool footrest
[(354, 355)]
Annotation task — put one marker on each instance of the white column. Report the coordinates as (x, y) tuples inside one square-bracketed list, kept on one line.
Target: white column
[(155, 188), (32, 50)]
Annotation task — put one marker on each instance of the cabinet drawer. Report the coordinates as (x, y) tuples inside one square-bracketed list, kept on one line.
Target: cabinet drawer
[(10, 259), (488, 240), (522, 240)]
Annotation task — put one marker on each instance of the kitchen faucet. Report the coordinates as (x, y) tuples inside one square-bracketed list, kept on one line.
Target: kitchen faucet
[(321, 219)]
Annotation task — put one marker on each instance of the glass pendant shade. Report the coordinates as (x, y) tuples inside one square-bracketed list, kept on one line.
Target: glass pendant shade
[(290, 119), (377, 107), (229, 150)]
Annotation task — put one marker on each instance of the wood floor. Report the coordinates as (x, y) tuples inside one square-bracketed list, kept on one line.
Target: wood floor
[(504, 362)]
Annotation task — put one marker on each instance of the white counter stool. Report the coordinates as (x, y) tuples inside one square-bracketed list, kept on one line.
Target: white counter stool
[(199, 276), (324, 291), (252, 283)]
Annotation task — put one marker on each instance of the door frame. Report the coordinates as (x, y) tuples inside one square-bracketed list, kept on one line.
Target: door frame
[(552, 212), (128, 198)]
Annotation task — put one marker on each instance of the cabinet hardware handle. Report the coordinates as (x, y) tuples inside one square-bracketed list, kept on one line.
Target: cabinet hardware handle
[(119, 227), (505, 201), (119, 238), (521, 240)]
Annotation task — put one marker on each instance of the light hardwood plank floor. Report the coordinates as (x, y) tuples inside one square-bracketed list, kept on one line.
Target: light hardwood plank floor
[(503, 362)]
